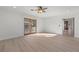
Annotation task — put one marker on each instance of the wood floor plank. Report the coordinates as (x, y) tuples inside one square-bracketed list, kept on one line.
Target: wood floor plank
[(40, 43)]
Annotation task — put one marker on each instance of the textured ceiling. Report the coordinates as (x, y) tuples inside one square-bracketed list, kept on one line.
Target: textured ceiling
[(51, 11)]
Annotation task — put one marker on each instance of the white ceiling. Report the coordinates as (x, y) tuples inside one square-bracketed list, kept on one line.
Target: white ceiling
[(51, 11)]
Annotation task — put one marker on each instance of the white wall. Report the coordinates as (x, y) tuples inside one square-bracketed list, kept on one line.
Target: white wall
[(11, 25), (55, 24), (77, 26), (40, 25)]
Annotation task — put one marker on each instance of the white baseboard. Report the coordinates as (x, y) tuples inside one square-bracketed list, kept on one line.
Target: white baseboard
[(13, 37)]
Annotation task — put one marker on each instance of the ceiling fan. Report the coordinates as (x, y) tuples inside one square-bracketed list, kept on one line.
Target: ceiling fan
[(39, 9)]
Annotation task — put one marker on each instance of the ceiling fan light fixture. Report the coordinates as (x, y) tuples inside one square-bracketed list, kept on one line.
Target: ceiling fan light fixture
[(39, 10)]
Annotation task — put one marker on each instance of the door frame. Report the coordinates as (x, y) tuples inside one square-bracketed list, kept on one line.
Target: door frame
[(73, 18), (30, 26)]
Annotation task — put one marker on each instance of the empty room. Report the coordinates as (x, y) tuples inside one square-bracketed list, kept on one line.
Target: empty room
[(39, 28)]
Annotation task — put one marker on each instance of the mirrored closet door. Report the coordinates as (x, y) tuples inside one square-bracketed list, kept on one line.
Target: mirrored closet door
[(29, 26)]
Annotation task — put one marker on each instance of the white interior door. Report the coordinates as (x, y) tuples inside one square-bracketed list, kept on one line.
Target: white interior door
[(71, 27)]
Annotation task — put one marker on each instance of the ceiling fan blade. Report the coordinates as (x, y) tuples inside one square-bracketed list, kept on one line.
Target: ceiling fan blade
[(40, 7), (34, 9), (44, 8), (44, 11)]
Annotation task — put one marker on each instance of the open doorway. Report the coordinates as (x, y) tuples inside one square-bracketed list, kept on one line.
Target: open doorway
[(29, 26), (68, 28)]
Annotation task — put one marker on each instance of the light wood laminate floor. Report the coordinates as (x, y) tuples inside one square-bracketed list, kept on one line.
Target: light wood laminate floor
[(40, 43)]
